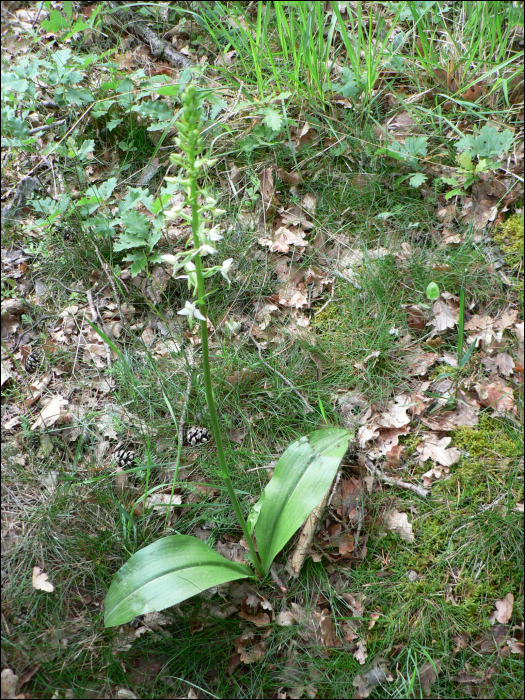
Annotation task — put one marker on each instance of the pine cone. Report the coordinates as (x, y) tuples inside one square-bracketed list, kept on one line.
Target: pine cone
[(197, 435), (34, 360), (124, 457)]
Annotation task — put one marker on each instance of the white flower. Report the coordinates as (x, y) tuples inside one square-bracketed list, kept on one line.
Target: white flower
[(175, 212), (190, 310), (213, 235), (206, 249), (225, 268), (171, 259)]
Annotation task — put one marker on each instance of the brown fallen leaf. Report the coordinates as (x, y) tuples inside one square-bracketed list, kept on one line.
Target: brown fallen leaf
[(250, 651), (50, 414), (438, 451), (376, 675), (9, 685), (497, 395), (503, 611), (398, 522), (232, 551), (395, 415), (283, 239), (316, 627), (428, 674), (482, 327), (446, 315), (257, 609), (294, 178), (40, 582), (416, 317), (270, 201), (504, 363), (360, 653)]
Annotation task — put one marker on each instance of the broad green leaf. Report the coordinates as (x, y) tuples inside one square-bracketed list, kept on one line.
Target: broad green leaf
[(273, 118), (165, 573), (432, 291), (417, 180), (301, 477)]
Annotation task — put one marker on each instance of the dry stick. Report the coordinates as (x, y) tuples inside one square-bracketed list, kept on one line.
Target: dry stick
[(45, 127), (296, 561), (361, 506), (419, 490), (309, 409), (159, 47)]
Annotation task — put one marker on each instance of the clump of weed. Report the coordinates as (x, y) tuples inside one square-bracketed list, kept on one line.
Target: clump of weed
[(488, 441), (509, 237)]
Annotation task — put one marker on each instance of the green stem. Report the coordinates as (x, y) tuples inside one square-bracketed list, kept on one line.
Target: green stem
[(207, 377)]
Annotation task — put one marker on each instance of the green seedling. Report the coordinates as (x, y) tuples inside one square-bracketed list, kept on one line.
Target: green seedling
[(177, 567)]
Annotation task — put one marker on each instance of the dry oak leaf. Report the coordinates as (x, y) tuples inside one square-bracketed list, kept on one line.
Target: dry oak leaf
[(377, 675), (464, 415), (445, 316), (433, 474), (295, 216), (283, 238), (285, 618), (360, 653), (395, 415), (388, 440), (161, 501), (483, 327), (504, 363), (416, 318), (428, 674), (257, 609), (503, 611), (438, 451), (9, 685), (267, 189), (316, 627), (290, 297), (50, 414), (250, 653), (497, 395), (419, 363), (398, 522), (40, 582)]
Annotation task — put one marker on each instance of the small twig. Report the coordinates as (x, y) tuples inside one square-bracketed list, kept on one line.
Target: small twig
[(323, 307), (19, 340), (309, 409), (361, 506), (419, 490), (79, 291), (334, 486), (91, 306), (296, 561), (254, 469), (45, 127)]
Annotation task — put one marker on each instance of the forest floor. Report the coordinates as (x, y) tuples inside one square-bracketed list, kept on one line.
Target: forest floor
[(364, 152)]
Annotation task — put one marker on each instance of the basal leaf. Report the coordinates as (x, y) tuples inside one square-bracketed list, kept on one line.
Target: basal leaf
[(300, 479), (165, 573)]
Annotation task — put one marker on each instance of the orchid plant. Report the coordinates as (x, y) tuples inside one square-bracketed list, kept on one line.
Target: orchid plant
[(177, 567)]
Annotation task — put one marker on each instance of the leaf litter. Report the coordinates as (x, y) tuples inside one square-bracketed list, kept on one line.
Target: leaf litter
[(289, 233)]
